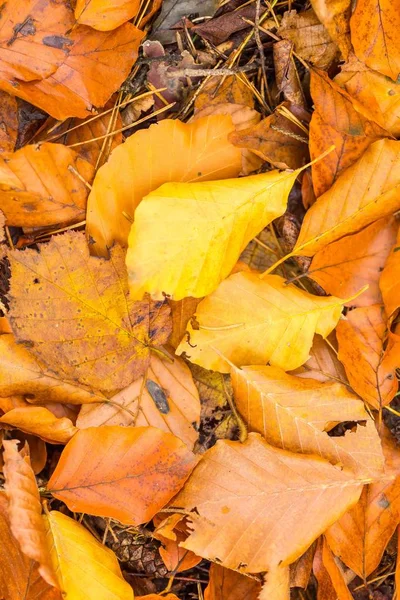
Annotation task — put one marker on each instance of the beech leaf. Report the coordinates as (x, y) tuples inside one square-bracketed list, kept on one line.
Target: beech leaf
[(225, 583), (105, 15), (39, 421)]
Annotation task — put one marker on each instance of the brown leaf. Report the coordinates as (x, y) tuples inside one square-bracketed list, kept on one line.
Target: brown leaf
[(310, 38), (344, 267), (25, 510), (259, 506), (19, 575), (330, 577), (300, 571), (371, 371), (165, 398), (41, 185), (93, 332), (41, 422), (335, 15), (181, 311), (175, 558), (225, 583), (102, 468), (323, 364), (287, 77), (231, 90), (219, 29), (9, 122)]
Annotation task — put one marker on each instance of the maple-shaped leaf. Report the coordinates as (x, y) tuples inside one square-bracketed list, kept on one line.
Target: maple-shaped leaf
[(295, 414), (225, 583), (329, 574), (389, 280), (19, 575), (346, 266), (370, 368), (66, 70), (258, 507), (75, 314), (43, 185), (105, 15), (23, 374), (374, 25), (366, 191), (25, 509), (191, 152), (205, 227), (165, 397), (39, 421), (249, 320), (102, 468)]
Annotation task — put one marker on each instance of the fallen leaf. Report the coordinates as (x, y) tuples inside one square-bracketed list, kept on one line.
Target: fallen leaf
[(178, 412), (157, 597), (262, 251), (22, 374), (300, 570), (329, 575), (248, 320), (11, 402), (346, 266), (355, 200), (172, 12), (25, 509), (232, 90), (323, 364), (287, 77), (276, 139), (252, 503), (276, 584), (310, 38), (225, 583), (19, 576), (181, 312), (105, 15), (371, 371), (39, 421), (200, 152), (389, 280), (195, 259), (220, 28), (336, 121), (37, 449), (175, 558), (335, 15), (102, 468), (295, 414), (8, 123), (42, 185), (374, 25), (87, 570), (81, 321), (67, 74)]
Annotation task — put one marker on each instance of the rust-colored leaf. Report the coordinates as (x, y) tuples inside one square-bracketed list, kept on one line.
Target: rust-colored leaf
[(389, 282), (330, 576), (39, 421), (9, 122), (175, 558), (323, 364), (105, 15), (335, 15), (232, 90), (225, 583)]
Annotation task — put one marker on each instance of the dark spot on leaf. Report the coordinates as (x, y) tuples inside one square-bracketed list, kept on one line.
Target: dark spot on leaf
[(36, 280), (25, 28), (158, 396), (57, 41), (383, 502)]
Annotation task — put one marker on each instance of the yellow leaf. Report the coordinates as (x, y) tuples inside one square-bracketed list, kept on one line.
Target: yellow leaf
[(86, 569), (105, 15), (249, 320), (168, 151), (187, 237), (276, 584)]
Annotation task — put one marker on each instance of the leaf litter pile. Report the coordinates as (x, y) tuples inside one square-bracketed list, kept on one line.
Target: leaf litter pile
[(200, 300)]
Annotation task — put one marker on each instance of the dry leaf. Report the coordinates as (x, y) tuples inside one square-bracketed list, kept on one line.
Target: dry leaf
[(300, 570), (310, 38), (200, 151), (374, 26), (287, 77), (366, 191), (187, 237), (19, 576), (346, 266), (295, 414), (371, 371), (78, 317), (225, 583), (41, 422), (175, 558), (323, 364), (249, 320), (262, 251), (102, 468), (9, 122), (335, 15), (231, 89), (87, 570), (329, 575), (25, 509), (167, 399), (105, 15), (259, 506), (181, 312), (276, 584), (67, 70), (157, 597), (389, 282)]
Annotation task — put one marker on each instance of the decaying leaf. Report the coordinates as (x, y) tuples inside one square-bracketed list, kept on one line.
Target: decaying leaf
[(330, 576), (9, 122), (232, 89), (181, 312), (225, 583), (248, 320), (216, 222), (335, 15), (102, 468), (200, 152), (75, 314), (175, 558), (39, 421), (105, 15), (252, 502)]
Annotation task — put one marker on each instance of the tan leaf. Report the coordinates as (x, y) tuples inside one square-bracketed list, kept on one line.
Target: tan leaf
[(323, 364), (181, 312), (262, 251), (41, 422), (335, 15), (102, 468), (276, 584), (225, 583), (232, 90), (79, 318), (259, 506)]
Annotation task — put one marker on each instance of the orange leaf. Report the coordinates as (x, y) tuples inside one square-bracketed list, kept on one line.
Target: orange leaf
[(200, 152), (232, 90), (175, 558), (105, 15), (390, 280), (181, 311), (258, 506), (25, 509), (344, 267), (165, 398), (102, 468), (335, 15), (67, 70), (323, 364), (19, 576), (79, 318), (374, 26), (9, 122), (330, 577), (371, 371), (41, 422), (41, 185), (157, 597), (225, 583)]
